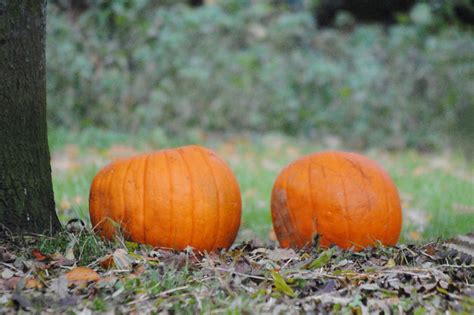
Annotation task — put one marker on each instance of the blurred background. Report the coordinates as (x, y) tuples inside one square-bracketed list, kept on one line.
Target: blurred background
[(264, 82)]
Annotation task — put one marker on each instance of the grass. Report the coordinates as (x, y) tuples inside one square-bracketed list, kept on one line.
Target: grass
[(437, 189), (243, 280), (85, 246)]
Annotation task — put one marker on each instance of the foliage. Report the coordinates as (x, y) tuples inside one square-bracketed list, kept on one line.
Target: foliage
[(248, 278), (135, 65)]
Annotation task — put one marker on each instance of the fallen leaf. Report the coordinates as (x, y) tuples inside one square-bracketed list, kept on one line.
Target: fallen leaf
[(6, 256), (69, 253), (122, 259), (281, 254), (82, 274), (390, 263), (321, 261), (39, 256), (13, 283), (64, 262), (56, 256), (7, 274), (281, 285), (107, 262), (32, 283), (108, 281), (139, 270)]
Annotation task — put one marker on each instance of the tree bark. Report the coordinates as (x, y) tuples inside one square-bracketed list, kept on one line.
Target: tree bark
[(26, 193)]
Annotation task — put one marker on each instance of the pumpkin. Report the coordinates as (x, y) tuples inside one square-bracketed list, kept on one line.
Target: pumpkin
[(171, 198), (345, 198)]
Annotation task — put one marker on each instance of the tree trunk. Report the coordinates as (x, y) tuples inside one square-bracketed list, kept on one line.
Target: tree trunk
[(26, 193)]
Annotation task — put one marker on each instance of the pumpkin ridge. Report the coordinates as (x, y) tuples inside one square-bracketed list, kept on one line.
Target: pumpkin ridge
[(358, 167), (311, 198), (193, 201), (204, 157), (144, 207), (170, 182), (109, 216), (344, 208), (291, 217), (388, 205), (278, 209), (126, 229)]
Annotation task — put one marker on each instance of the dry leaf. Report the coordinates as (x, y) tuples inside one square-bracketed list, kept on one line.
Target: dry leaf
[(6, 256), (82, 274), (56, 256), (38, 254), (107, 262), (139, 270), (11, 283), (32, 283), (278, 254), (390, 263), (7, 274), (69, 254), (122, 259)]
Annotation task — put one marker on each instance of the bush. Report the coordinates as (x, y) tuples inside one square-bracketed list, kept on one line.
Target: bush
[(256, 67)]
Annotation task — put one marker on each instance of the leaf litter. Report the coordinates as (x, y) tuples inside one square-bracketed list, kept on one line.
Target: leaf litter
[(36, 276)]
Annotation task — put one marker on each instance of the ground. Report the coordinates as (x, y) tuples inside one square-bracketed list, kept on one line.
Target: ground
[(78, 271), (41, 274)]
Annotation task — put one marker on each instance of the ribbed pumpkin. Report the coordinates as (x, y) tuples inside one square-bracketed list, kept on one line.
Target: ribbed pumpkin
[(345, 198), (172, 198)]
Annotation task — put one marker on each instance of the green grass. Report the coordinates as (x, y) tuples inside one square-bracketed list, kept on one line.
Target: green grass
[(437, 189), (85, 246)]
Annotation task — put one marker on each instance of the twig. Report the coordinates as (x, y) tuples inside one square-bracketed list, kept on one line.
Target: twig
[(235, 272), (9, 266), (173, 290), (455, 266)]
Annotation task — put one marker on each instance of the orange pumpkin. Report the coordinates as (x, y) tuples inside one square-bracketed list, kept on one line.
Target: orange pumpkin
[(345, 198), (172, 198)]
